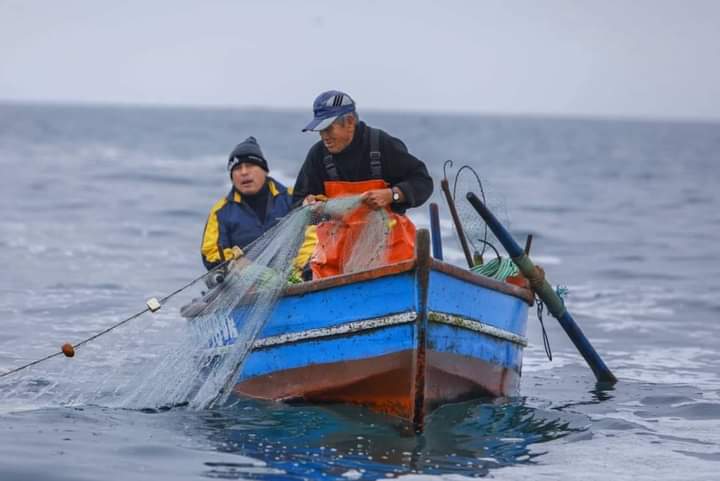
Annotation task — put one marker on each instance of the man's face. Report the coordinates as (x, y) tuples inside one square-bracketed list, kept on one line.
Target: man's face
[(338, 135), (248, 178)]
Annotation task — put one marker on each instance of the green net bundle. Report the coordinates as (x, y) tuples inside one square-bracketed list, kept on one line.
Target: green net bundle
[(498, 268)]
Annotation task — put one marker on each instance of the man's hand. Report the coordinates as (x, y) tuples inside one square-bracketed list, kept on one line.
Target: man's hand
[(237, 259), (313, 199), (378, 198)]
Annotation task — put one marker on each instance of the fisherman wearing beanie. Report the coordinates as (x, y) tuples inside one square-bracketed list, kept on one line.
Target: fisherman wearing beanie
[(247, 151), (254, 204)]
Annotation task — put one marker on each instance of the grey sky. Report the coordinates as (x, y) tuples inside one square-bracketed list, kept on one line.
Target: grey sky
[(609, 58)]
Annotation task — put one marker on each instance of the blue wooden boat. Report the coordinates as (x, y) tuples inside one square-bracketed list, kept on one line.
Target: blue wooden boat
[(401, 339)]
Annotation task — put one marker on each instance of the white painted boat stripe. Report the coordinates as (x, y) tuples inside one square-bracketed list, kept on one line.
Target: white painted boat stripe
[(476, 326), (387, 321), (348, 328)]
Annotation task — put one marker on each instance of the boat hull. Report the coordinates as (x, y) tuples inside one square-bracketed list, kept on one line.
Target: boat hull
[(384, 383), (401, 339)]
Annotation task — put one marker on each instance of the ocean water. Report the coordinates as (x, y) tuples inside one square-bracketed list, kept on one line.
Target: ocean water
[(103, 207)]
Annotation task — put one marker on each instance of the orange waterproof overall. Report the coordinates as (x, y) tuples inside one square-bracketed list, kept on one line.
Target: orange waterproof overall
[(337, 237)]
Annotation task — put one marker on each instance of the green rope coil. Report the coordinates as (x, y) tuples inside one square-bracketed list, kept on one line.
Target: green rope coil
[(498, 268)]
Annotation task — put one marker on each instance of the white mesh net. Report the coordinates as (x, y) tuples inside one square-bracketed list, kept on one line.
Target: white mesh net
[(479, 237), (163, 361)]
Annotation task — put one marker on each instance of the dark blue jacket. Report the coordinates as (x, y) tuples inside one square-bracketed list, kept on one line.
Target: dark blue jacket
[(233, 222)]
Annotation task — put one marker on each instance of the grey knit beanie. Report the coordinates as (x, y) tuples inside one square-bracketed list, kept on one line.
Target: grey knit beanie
[(247, 151)]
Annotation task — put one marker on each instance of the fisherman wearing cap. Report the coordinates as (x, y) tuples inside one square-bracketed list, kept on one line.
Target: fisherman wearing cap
[(255, 203), (353, 158)]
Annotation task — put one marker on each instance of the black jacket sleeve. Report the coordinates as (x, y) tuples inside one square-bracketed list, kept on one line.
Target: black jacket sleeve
[(309, 180), (406, 172)]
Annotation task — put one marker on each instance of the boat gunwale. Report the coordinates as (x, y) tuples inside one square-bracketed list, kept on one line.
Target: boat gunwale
[(407, 266), (345, 279), (483, 281)]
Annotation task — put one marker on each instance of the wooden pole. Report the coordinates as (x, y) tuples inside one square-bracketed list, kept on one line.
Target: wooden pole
[(545, 291), (456, 220)]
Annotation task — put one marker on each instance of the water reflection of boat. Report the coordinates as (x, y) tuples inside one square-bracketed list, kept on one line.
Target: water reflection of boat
[(470, 438), (401, 339)]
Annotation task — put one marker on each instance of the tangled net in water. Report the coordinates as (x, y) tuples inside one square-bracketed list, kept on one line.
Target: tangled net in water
[(166, 363)]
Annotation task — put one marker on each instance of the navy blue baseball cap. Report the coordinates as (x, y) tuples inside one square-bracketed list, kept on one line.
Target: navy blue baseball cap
[(328, 106)]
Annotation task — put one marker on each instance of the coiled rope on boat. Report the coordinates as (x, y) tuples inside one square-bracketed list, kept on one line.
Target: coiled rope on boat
[(499, 268)]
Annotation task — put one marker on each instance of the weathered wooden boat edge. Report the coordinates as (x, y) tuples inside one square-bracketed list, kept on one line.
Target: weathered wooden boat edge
[(197, 307), (407, 266)]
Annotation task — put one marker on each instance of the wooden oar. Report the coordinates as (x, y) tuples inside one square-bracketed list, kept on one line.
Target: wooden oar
[(456, 220), (545, 292)]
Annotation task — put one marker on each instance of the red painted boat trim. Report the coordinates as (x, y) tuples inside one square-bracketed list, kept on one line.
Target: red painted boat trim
[(384, 383), (345, 279), (406, 266)]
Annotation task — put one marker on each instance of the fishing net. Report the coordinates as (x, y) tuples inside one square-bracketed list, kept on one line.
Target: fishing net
[(485, 248), (196, 362), (361, 245)]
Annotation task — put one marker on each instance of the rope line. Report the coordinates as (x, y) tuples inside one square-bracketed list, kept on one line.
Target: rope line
[(115, 326), (562, 292), (546, 340), (482, 193)]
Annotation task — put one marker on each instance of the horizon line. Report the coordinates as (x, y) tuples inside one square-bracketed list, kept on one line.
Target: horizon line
[(449, 112)]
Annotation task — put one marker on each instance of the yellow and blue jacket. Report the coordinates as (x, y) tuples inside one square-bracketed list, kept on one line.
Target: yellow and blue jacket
[(233, 222)]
